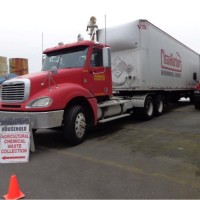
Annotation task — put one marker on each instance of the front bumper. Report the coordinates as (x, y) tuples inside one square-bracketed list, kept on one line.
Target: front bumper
[(38, 119)]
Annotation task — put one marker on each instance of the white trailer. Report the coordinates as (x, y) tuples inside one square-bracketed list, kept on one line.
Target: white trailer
[(146, 58), (147, 61)]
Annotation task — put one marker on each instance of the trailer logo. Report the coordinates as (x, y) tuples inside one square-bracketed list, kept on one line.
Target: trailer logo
[(171, 64), (142, 26), (170, 61)]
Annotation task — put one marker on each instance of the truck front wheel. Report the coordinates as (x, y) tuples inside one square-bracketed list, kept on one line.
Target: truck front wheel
[(75, 124)]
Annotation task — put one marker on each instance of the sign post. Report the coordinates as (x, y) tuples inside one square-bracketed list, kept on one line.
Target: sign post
[(14, 140)]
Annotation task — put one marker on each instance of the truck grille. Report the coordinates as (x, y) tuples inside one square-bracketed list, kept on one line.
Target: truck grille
[(15, 91)]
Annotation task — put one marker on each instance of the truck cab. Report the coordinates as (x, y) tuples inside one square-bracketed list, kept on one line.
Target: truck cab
[(85, 57), (74, 78)]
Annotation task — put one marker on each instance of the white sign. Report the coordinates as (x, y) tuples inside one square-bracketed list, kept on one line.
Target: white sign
[(14, 143)]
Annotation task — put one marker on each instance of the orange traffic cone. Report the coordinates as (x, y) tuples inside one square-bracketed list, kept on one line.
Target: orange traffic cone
[(13, 190)]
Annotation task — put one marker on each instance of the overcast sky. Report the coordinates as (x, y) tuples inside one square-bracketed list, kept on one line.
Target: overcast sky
[(23, 22)]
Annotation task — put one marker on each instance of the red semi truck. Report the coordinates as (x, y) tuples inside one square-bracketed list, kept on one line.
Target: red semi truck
[(133, 67)]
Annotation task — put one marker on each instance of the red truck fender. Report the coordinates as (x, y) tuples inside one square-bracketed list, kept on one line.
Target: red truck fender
[(67, 93)]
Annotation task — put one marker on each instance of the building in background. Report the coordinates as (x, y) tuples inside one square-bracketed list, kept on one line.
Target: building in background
[(18, 66), (3, 65)]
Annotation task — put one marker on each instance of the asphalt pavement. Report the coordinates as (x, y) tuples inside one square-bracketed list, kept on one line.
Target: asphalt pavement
[(123, 159)]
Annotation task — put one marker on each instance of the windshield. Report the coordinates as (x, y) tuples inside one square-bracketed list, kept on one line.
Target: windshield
[(67, 58)]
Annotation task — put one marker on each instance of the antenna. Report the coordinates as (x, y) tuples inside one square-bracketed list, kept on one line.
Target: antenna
[(42, 47), (42, 42), (105, 29)]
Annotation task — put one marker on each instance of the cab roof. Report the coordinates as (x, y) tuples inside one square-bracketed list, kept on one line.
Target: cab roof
[(64, 46)]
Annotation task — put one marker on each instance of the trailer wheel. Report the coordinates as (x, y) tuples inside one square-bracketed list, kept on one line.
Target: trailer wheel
[(34, 131), (197, 106), (148, 109), (75, 125), (158, 105)]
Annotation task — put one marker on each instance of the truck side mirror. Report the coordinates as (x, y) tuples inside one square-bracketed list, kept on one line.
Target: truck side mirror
[(195, 76), (54, 70), (106, 57)]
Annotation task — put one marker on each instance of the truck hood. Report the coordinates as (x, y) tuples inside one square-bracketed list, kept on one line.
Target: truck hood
[(62, 76), (45, 80), (33, 75)]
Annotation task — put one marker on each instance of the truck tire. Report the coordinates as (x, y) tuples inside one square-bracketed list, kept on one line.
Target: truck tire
[(197, 106), (148, 110), (34, 131), (75, 124), (158, 105)]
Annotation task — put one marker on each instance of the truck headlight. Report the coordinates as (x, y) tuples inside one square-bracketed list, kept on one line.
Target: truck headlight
[(40, 103)]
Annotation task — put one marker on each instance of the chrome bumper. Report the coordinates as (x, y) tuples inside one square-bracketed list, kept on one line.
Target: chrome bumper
[(38, 119)]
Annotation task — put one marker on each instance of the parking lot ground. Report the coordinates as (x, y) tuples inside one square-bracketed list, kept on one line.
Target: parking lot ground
[(127, 158)]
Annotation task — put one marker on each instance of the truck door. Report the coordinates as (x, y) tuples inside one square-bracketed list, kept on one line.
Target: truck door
[(99, 78)]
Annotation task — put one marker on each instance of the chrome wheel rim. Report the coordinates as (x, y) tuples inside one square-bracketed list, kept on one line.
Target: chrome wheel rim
[(80, 125)]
